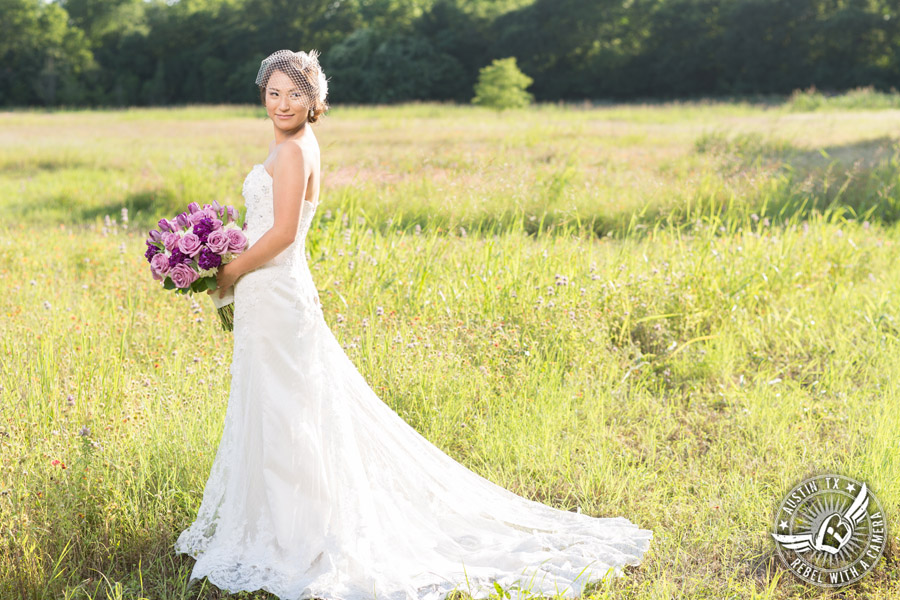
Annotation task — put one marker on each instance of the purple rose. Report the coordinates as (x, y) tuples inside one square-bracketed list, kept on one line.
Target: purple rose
[(218, 241), (237, 241), (207, 259), (151, 251), (170, 240), (193, 207), (190, 244), (211, 212), (164, 225), (159, 266), (182, 275)]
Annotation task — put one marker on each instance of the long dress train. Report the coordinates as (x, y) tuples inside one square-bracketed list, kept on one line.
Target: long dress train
[(319, 489)]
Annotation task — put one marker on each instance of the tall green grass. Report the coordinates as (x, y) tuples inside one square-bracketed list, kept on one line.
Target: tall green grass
[(643, 320)]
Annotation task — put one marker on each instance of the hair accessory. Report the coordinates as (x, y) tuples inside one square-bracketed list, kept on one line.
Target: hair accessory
[(303, 70)]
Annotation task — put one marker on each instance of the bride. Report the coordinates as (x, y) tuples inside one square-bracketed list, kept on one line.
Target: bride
[(318, 489)]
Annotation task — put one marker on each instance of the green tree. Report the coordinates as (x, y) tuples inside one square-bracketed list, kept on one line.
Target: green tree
[(502, 85)]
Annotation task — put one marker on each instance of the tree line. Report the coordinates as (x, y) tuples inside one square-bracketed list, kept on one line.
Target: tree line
[(161, 52)]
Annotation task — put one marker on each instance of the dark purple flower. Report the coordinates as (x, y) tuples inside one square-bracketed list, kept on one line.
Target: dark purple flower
[(203, 228), (151, 251), (178, 257), (207, 259)]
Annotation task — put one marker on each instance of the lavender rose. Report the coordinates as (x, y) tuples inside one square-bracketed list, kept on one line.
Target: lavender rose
[(196, 217), (190, 244), (217, 241), (237, 241), (170, 240), (182, 275), (159, 266), (207, 259)]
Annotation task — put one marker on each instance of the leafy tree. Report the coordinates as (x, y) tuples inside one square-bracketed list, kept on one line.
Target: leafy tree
[(42, 58), (502, 85), (378, 66)]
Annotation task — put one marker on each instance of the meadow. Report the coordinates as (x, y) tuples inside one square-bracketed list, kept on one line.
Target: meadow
[(670, 312)]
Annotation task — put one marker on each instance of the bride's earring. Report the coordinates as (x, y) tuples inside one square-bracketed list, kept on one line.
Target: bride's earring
[(312, 113)]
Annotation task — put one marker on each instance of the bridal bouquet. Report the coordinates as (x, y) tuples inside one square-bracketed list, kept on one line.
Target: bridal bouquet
[(185, 253)]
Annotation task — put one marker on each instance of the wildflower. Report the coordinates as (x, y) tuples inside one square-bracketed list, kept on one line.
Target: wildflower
[(379, 311), (47, 305), (124, 217), (340, 318), (418, 229), (70, 400), (84, 431), (33, 282)]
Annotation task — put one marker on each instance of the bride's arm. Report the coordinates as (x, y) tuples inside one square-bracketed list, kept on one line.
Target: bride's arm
[(289, 193)]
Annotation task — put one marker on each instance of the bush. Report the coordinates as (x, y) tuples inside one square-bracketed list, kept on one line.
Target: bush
[(502, 85)]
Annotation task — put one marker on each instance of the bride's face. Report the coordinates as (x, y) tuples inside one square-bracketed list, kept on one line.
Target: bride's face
[(285, 102)]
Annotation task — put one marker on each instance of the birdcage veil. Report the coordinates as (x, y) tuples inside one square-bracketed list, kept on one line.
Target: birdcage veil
[(304, 71)]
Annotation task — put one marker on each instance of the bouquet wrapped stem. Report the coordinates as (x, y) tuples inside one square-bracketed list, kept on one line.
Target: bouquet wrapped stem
[(225, 308)]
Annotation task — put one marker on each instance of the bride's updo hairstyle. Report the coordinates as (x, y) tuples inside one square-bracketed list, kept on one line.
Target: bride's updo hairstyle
[(304, 70)]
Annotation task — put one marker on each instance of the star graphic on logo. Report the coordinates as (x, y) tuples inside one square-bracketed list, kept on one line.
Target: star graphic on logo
[(851, 488), (783, 525)]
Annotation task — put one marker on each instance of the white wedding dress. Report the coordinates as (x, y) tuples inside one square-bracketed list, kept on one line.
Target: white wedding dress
[(319, 489)]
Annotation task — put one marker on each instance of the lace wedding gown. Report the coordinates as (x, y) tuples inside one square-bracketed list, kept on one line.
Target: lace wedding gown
[(319, 489)]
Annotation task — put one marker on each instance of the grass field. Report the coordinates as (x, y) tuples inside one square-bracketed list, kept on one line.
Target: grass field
[(669, 312)]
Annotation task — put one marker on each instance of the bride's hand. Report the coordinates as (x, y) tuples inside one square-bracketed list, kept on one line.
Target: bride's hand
[(224, 280)]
